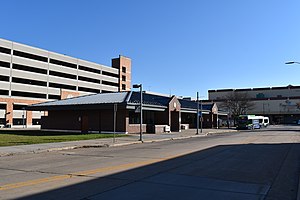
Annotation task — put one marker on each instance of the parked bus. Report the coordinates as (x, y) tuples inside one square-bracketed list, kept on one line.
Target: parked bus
[(263, 121), (252, 122)]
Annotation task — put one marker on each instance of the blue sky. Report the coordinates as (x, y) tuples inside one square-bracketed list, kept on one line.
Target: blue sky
[(177, 47)]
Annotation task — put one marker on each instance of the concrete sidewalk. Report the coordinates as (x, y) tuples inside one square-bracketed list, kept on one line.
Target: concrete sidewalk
[(108, 142)]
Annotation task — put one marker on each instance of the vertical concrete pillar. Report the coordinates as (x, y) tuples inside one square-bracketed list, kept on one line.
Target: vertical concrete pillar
[(28, 118), (179, 121), (126, 116), (9, 113)]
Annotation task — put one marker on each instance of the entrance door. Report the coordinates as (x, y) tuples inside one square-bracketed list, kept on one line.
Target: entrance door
[(84, 124), (174, 121)]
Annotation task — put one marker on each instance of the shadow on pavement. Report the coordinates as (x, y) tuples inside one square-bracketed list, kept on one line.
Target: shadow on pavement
[(250, 171)]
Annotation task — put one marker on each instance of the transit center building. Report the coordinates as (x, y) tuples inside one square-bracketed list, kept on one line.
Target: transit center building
[(120, 112)]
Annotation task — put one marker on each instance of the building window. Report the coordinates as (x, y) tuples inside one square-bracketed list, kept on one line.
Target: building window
[(123, 87), (124, 69), (4, 64), (110, 83), (2, 106), (2, 121), (52, 96), (60, 74), (30, 69), (30, 56), (28, 81), (123, 78), (88, 69), (4, 50), (19, 107), (3, 92), (62, 63), (64, 86), (84, 89), (19, 121), (260, 95), (110, 74), (36, 121), (91, 80), (4, 78), (106, 91), (134, 118), (28, 94)]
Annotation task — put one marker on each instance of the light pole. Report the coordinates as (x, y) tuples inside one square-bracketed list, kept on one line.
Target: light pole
[(292, 62), (197, 113), (201, 117), (141, 109)]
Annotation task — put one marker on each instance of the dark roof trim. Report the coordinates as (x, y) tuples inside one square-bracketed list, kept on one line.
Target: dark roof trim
[(147, 105)]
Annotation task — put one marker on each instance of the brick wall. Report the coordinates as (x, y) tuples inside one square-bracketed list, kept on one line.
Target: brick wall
[(96, 120), (9, 108), (119, 63), (68, 94)]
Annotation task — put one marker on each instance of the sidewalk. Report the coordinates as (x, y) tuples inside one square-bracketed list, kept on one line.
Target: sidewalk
[(108, 142)]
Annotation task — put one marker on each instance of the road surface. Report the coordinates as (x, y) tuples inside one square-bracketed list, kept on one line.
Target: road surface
[(262, 164)]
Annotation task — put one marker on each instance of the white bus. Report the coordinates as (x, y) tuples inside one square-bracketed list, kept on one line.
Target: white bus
[(252, 122), (263, 121)]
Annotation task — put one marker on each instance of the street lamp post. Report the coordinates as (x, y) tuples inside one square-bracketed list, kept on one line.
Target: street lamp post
[(141, 109), (292, 62), (197, 113), (201, 116)]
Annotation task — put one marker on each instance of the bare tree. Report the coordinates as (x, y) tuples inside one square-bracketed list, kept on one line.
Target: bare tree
[(237, 104)]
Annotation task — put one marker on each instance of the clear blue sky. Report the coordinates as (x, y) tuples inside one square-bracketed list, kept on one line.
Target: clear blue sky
[(177, 47)]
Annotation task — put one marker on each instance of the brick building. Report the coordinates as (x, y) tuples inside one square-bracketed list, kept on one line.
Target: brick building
[(95, 113)]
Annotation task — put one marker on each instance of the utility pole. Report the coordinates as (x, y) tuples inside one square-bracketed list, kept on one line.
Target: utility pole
[(197, 113), (141, 109), (201, 119)]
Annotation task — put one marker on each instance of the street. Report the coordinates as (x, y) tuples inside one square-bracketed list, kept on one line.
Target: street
[(259, 164)]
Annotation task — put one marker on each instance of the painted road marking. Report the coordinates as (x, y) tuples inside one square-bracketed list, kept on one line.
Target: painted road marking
[(84, 173)]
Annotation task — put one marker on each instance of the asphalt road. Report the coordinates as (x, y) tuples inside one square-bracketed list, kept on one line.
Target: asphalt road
[(261, 164)]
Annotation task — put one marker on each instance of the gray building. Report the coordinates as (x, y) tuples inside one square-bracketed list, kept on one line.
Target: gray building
[(281, 104), (31, 75)]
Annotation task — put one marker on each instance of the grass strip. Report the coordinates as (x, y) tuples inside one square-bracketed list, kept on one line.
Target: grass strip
[(13, 138)]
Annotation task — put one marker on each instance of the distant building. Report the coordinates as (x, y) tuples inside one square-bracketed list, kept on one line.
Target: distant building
[(281, 104), (31, 75)]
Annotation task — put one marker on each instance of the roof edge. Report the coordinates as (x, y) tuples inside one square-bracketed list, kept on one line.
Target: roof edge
[(128, 97)]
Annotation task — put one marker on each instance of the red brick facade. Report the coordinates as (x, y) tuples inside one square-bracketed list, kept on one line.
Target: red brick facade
[(9, 108), (124, 65), (68, 94)]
